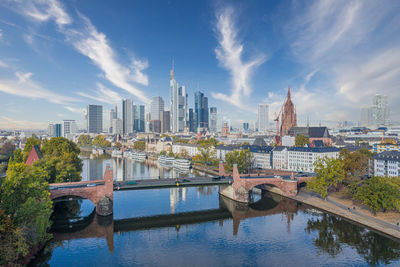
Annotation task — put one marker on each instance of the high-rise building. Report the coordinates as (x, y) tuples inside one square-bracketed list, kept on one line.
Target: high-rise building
[(245, 126), (50, 130), (139, 118), (156, 106), (262, 118), (191, 122), (200, 110), (378, 114), (127, 116), (69, 127), (165, 121), (95, 118), (213, 119), (117, 126), (155, 126), (178, 105), (147, 122), (113, 115)]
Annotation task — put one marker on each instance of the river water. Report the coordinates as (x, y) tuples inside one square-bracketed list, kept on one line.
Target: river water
[(194, 226)]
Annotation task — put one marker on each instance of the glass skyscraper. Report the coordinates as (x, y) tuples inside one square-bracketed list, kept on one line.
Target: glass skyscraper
[(95, 118), (200, 110)]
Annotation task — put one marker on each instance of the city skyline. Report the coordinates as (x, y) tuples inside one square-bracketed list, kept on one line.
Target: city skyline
[(62, 56)]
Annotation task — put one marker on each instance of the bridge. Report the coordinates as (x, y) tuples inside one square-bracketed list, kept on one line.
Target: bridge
[(95, 226), (243, 183)]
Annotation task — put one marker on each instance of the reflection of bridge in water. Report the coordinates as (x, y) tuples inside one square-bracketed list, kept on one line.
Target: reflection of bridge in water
[(95, 226)]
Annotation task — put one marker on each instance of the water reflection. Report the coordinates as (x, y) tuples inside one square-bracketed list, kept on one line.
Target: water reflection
[(334, 233), (127, 169)]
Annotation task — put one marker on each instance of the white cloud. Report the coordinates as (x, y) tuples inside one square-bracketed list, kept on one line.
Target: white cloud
[(75, 110), (25, 87), (103, 94), (3, 64), (45, 10), (229, 54), (95, 45)]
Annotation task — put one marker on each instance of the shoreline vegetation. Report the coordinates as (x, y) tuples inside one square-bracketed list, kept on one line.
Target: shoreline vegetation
[(25, 204)]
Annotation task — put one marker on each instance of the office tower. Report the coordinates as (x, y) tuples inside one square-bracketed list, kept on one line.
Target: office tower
[(127, 116), (57, 130), (178, 105), (200, 110), (69, 127), (155, 126), (191, 123), (213, 119), (95, 118), (165, 121), (139, 118), (156, 106), (112, 117), (116, 126), (380, 110), (366, 116), (51, 130), (245, 126), (262, 117)]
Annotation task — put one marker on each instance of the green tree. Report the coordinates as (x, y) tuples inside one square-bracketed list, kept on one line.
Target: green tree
[(85, 140), (163, 153), (301, 140), (329, 173), (139, 145), (171, 154), (206, 153), (100, 141), (355, 165), (243, 159), (378, 193), (7, 149), (118, 145)]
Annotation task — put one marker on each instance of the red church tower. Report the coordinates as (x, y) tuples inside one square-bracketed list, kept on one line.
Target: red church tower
[(289, 116)]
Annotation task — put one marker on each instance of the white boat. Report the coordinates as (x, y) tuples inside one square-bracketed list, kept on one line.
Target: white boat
[(169, 160), (116, 153), (181, 164)]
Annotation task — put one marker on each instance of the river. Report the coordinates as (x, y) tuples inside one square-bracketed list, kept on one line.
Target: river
[(195, 226)]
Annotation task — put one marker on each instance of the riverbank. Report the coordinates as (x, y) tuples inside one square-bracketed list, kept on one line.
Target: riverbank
[(344, 210), (204, 169)]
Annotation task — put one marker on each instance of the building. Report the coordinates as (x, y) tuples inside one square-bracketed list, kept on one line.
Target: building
[(303, 158), (178, 105), (262, 156), (165, 121), (225, 130), (289, 116), (69, 127), (156, 106), (262, 118), (127, 116), (117, 126), (280, 158), (51, 130), (378, 114), (387, 164), (313, 133), (200, 110), (113, 115), (213, 119), (245, 126), (379, 148), (95, 118), (190, 150), (155, 126), (34, 155), (139, 118)]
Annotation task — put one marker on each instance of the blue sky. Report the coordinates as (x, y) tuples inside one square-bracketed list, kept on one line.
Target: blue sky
[(58, 56)]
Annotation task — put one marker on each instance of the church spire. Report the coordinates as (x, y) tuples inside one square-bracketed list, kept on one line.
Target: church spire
[(288, 93)]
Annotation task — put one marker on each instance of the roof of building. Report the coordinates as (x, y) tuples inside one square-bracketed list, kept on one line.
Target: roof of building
[(314, 149), (388, 155), (318, 132), (279, 148), (259, 141), (318, 143), (38, 152)]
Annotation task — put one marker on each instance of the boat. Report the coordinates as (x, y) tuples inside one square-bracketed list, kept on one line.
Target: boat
[(181, 164), (169, 160), (116, 153)]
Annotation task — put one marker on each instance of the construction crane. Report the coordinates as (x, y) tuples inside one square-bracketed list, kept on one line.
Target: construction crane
[(277, 137)]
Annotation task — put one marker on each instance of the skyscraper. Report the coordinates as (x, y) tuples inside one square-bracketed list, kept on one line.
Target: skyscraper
[(213, 119), (178, 105), (191, 122), (156, 106), (127, 116), (69, 127), (200, 110), (378, 114), (262, 118), (95, 118), (165, 121), (139, 118)]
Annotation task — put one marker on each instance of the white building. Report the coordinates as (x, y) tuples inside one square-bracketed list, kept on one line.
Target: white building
[(117, 126), (69, 127), (213, 119), (178, 105), (127, 116), (387, 164), (183, 148), (280, 158), (262, 157), (263, 117), (303, 158)]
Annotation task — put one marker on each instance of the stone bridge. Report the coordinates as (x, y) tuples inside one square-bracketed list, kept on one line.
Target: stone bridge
[(243, 183), (99, 192)]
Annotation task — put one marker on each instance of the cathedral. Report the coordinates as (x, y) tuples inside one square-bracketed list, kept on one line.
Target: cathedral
[(289, 117)]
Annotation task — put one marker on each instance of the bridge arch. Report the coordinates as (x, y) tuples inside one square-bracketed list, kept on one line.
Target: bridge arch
[(100, 192)]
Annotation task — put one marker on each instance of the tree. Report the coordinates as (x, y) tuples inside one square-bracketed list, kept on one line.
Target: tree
[(301, 140), (139, 145), (85, 140), (100, 141), (163, 153), (7, 149), (379, 193), (330, 172), (206, 153), (118, 145), (243, 159), (355, 164)]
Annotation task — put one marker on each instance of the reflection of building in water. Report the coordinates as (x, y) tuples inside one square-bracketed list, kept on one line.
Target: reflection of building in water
[(95, 169), (176, 194), (118, 169)]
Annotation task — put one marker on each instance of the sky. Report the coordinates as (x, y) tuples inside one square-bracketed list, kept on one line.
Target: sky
[(56, 57)]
